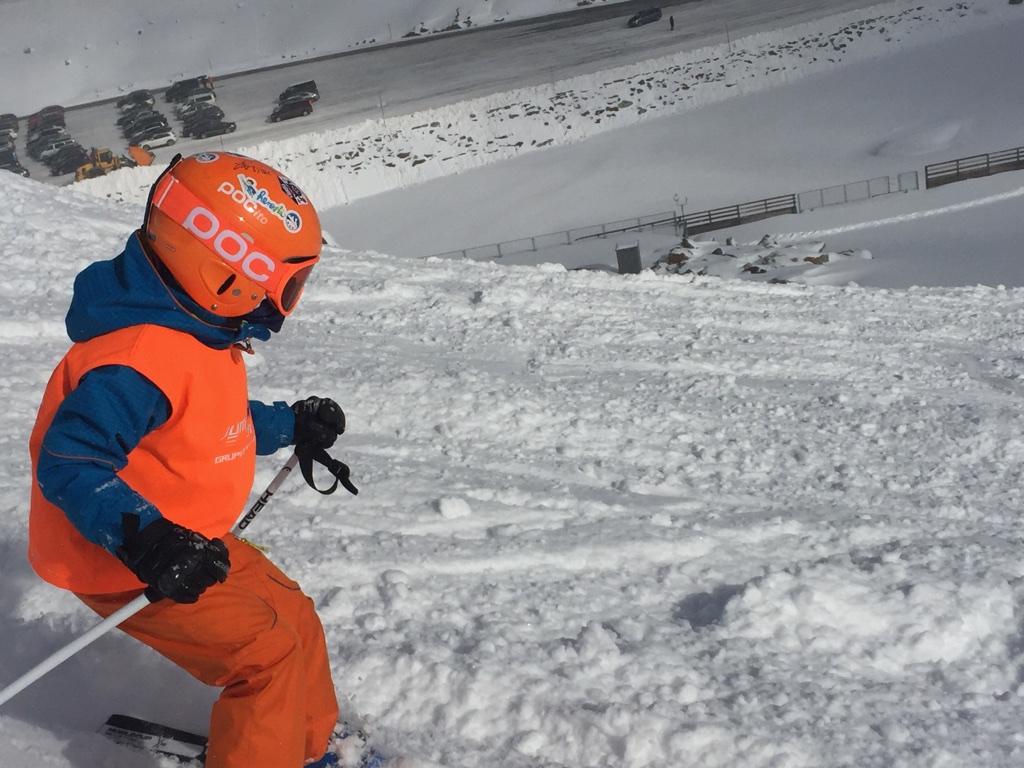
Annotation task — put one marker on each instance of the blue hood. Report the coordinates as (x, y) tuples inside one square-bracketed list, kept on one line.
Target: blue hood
[(129, 290)]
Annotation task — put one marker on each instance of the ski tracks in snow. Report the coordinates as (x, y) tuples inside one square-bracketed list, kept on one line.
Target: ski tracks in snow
[(651, 521), (630, 521)]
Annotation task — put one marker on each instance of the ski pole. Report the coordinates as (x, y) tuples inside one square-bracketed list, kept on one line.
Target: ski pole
[(72, 648), (261, 502), (131, 608)]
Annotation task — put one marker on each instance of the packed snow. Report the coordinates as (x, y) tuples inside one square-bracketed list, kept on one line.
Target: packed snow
[(651, 521), (642, 521)]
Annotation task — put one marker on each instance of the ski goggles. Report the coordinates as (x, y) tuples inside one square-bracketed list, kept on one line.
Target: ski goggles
[(281, 278)]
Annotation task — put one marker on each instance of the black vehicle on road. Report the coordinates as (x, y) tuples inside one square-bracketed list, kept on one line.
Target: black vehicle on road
[(68, 160), (49, 147), (213, 128), (147, 131), (211, 113), (144, 124), (306, 91), (9, 162), (47, 116), (646, 16), (134, 100), (9, 125), (136, 114), (183, 88), (291, 109)]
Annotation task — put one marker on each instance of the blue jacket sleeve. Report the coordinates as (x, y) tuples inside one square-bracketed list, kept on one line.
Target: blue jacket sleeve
[(274, 425), (88, 442)]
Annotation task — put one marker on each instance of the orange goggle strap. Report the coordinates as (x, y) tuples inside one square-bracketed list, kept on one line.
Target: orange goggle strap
[(281, 280)]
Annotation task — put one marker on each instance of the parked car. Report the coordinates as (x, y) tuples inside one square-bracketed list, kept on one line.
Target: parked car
[(186, 111), (52, 115), (182, 88), (646, 16), (35, 126), (68, 160), (139, 136), (214, 128), (195, 98), (306, 91), (9, 162), (291, 109), (141, 119), (160, 138), (205, 113), (144, 124), (54, 146), (131, 116), (135, 99), (43, 140), (69, 163), (9, 125), (14, 167), (74, 146), (209, 113), (6, 143), (39, 133)]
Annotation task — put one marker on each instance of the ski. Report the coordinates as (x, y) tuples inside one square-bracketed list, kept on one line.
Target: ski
[(188, 748)]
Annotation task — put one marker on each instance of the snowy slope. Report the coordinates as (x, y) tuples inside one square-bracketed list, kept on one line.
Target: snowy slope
[(922, 104), (604, 521)]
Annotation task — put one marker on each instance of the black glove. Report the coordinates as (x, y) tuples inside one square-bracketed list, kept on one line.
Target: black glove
[(318, 422), (174, 561)]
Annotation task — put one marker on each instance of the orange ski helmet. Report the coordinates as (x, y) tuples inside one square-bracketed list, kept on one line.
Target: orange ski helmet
[(233, 231)]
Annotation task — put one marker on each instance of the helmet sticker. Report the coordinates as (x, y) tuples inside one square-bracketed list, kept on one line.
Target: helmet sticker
[(249, 206), (206, 157), (253, 197), (291, 189)]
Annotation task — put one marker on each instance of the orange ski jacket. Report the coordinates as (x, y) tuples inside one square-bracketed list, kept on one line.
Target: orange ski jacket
[(197, 468)]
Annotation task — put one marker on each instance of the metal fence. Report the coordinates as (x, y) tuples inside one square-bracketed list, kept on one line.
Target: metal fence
[(733, 215), (935, 175), (857, 191), (509, 247), (973, 167), (700, 221)]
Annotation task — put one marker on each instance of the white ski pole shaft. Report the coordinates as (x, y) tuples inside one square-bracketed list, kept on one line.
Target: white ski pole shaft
[(130, 609), (73, 647)]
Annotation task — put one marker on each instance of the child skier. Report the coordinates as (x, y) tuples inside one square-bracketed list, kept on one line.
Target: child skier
[(144, 448)]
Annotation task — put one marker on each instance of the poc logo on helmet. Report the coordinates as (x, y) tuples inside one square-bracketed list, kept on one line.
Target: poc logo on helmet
[(228, 244), (248, 205)]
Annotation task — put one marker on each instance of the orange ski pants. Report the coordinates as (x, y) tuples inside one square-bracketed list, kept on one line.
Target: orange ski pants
[(258, 637)]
